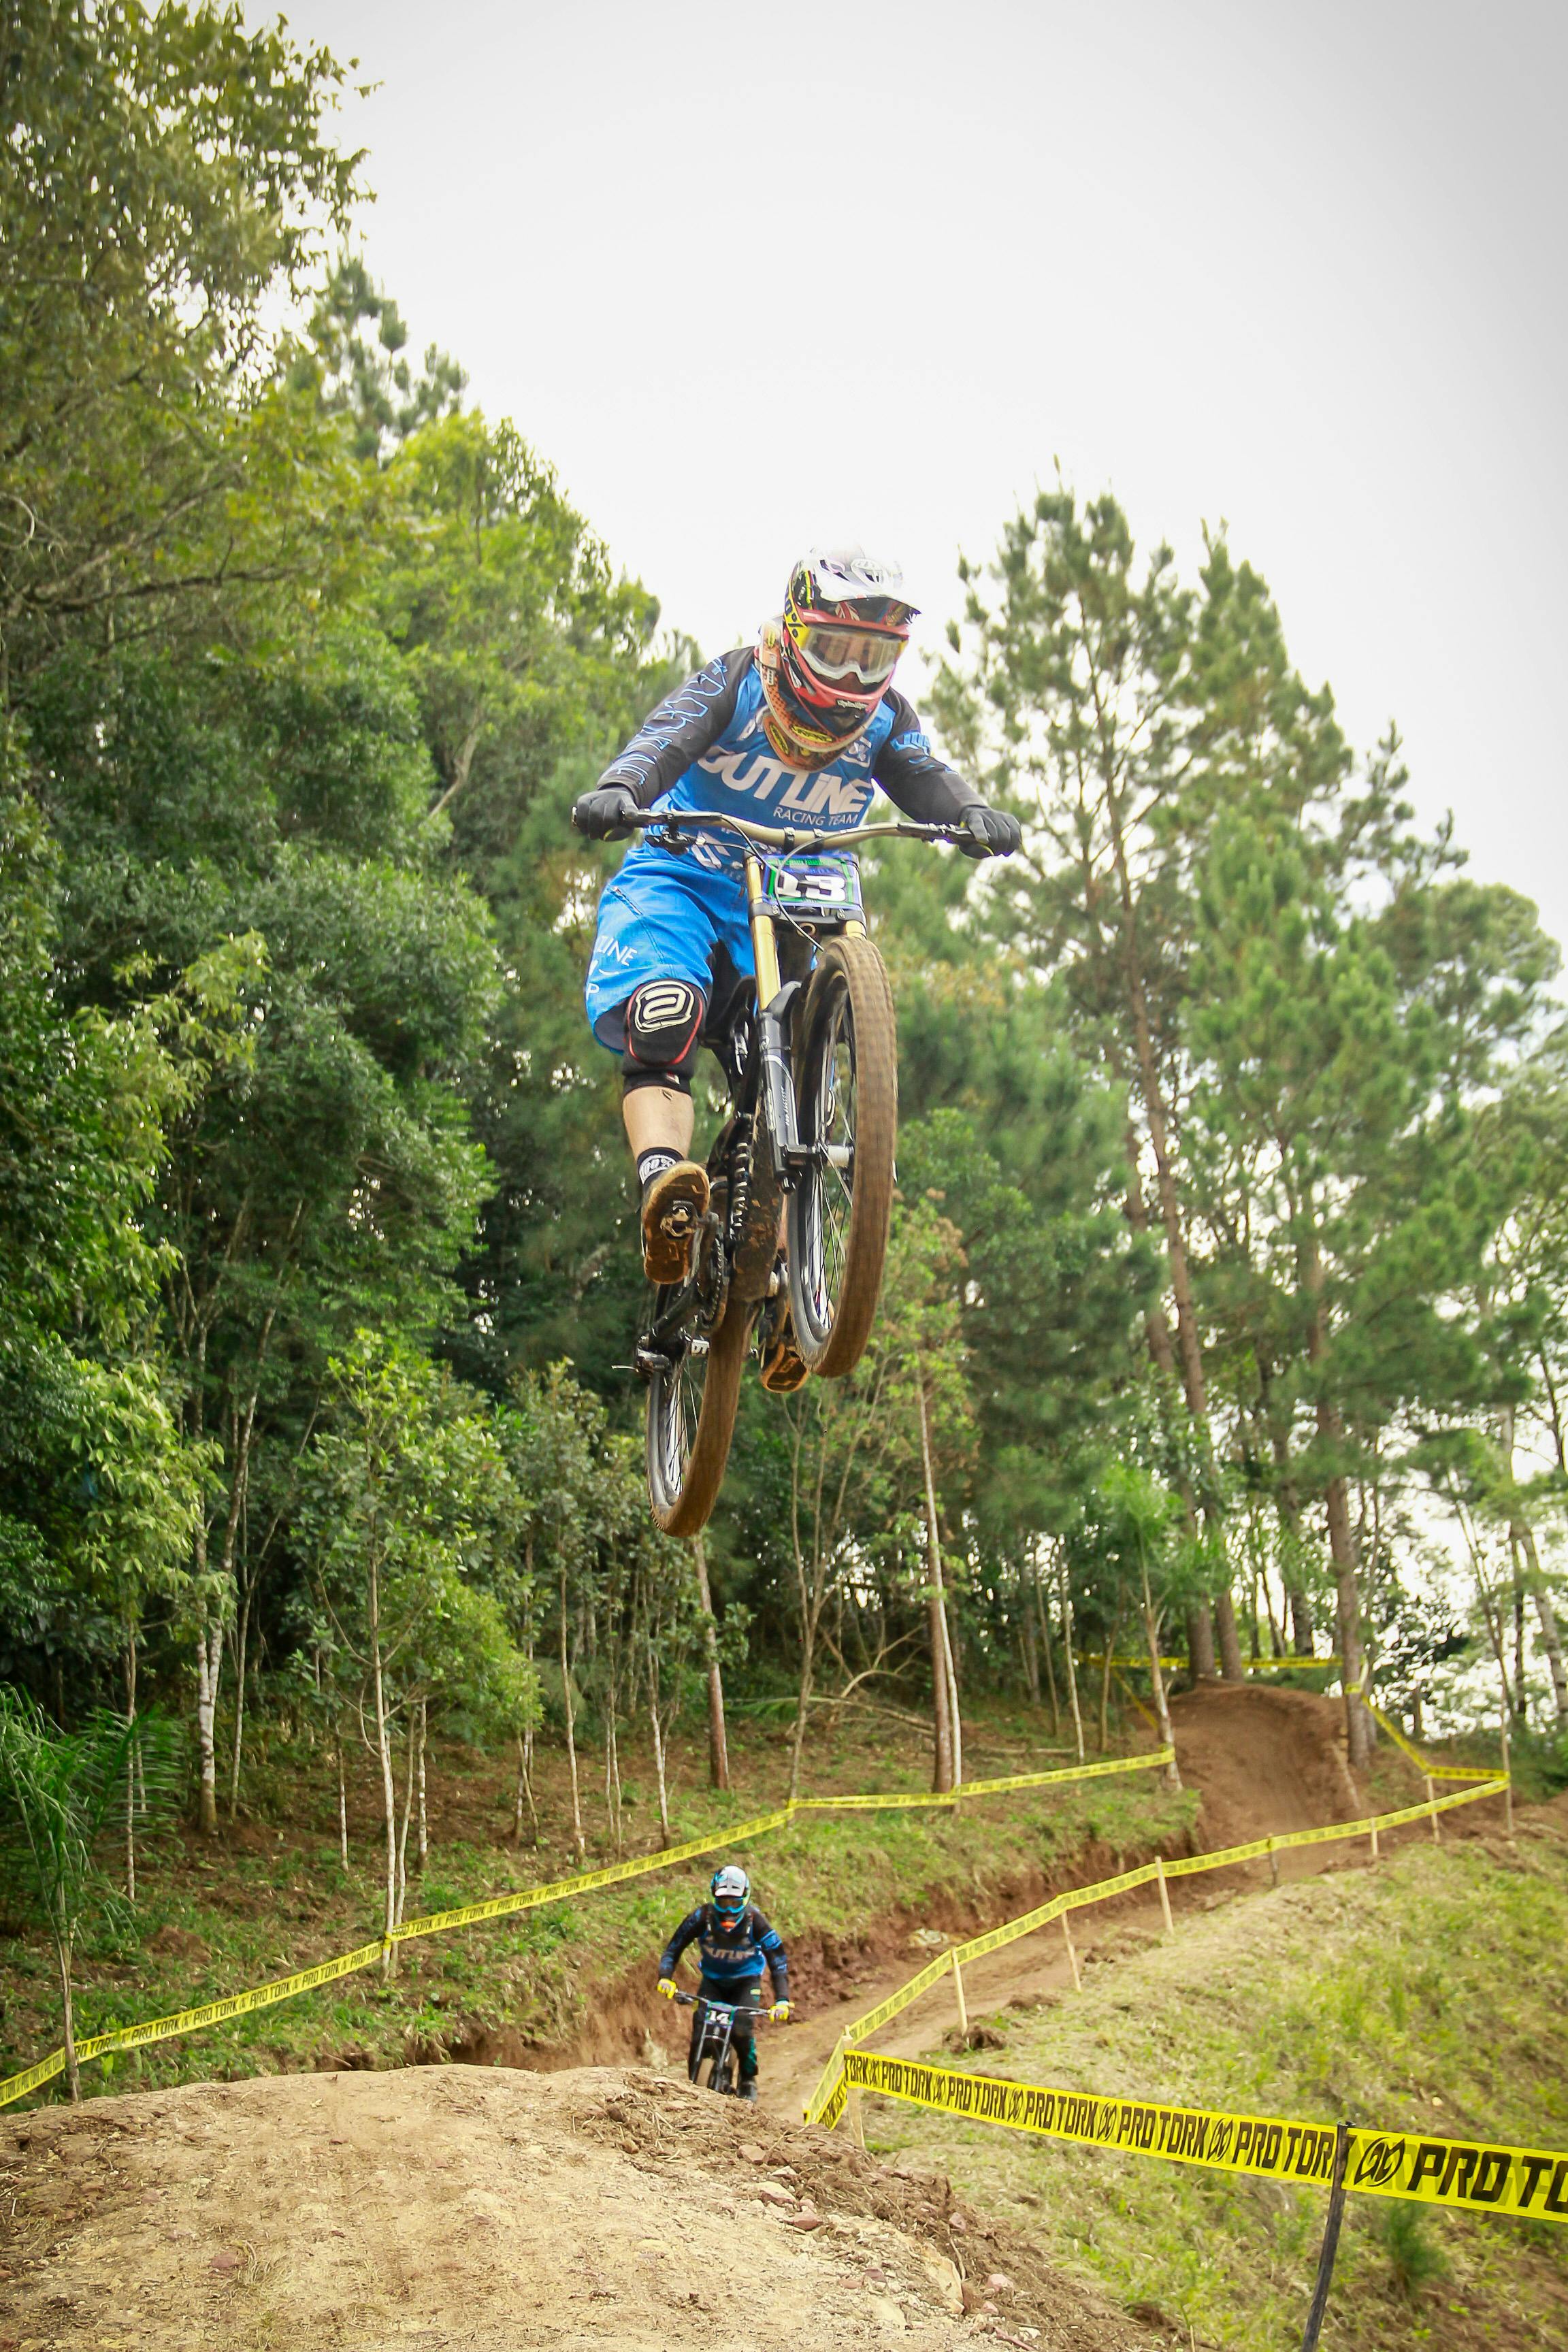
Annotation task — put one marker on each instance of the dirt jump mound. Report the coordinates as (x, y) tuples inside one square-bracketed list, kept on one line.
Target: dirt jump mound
[(487, 2208)]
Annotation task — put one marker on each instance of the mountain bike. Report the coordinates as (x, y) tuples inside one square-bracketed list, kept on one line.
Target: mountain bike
[(716, 2040), (809, 1048)]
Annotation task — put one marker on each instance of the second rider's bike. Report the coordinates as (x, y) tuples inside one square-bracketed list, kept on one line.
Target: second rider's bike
[(810, 1052), (715, 2048)]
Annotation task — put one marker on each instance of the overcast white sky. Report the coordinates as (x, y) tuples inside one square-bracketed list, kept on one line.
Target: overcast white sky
[(755, 275)]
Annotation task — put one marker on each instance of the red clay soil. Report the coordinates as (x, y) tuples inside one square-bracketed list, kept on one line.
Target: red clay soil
[(1267, 1761)]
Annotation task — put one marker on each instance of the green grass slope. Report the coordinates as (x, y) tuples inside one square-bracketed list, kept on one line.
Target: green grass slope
[(1429, 1994)]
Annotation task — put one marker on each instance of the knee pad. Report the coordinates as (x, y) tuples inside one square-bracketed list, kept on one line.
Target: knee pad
[(664, 1031)]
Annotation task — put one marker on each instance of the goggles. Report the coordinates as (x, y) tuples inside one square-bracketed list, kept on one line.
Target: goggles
[(836, 653)]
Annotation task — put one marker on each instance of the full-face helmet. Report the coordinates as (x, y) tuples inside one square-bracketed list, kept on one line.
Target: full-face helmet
[(827, 663), (732, 1891)]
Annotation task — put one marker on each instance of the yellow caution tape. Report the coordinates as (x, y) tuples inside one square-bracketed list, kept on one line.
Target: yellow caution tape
[(532, 1899), (1407, 1749), (1104, 1890), (1460, 2173)]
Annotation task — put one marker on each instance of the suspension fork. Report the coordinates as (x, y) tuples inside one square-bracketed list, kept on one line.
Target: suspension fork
[(772, 1006)]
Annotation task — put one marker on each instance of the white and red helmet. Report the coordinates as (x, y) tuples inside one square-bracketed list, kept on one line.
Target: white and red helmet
[(845, 621)]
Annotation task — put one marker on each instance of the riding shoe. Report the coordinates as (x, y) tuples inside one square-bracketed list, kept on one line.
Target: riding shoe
[(674, 1203), (748, 2091), (784, 1368)]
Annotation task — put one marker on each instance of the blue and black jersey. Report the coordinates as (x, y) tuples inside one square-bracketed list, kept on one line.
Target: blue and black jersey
[(706, 747), (734, 1952)]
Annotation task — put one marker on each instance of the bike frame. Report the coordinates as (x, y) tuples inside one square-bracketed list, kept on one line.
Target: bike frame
[(772, 995)]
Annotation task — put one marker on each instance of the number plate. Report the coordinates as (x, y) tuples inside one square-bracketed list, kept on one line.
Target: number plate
[(815, 886)]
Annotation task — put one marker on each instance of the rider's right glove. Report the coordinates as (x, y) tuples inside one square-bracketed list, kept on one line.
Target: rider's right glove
[(779, 2012), (992, 833), (666, 1987), (601, 813)]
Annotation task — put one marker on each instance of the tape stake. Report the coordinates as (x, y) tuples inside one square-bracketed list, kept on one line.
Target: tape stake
[(1072, 1956), (1164, 1895)]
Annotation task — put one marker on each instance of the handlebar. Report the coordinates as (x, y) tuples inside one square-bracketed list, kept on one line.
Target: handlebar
[(723, 2007), (674, 822)]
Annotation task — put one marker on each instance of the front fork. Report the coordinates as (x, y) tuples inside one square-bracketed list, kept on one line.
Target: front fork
[(773, 1005)]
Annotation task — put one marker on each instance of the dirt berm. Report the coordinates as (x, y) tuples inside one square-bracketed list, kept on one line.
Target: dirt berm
[(481, 2207)]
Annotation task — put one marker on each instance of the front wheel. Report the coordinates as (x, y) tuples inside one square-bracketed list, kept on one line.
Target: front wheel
[(846, 1089), (691, 1404)]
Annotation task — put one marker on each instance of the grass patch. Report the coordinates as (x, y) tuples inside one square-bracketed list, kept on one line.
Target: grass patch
[(1427, 1995)]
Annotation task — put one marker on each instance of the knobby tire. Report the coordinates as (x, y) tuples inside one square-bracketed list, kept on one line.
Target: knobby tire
[(847, 1087), (684, 1480)]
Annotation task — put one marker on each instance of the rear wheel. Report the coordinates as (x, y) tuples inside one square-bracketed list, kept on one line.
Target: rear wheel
[(691, 1401), (846, 1089)]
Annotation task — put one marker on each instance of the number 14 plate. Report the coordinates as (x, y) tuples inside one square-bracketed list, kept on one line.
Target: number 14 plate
[(815, 886)]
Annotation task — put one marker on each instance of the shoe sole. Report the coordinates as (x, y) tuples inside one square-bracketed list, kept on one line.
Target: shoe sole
[(666, 1239)]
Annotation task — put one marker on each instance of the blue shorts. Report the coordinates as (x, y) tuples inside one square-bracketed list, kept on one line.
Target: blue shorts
[(663, 918)]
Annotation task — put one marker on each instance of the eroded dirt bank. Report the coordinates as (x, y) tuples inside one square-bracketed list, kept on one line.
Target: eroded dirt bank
[(490, 2209)]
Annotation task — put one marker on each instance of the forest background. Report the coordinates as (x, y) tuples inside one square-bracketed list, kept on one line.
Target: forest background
[(1228, 1300)]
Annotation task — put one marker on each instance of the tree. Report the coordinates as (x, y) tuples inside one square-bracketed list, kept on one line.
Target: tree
[(161, 175), (56, 1793), (396, 1496)]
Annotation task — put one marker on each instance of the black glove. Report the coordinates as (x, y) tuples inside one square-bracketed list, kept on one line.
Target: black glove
[(992, 833), (601, 813)]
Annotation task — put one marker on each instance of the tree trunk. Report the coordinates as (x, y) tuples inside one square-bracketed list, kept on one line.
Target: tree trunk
[(1230, 1661), (68, 2018), (131, 1758), (342, 1797), (1347, 1592), (949, 1765), (1200, 1641), (1303, 1633), (1336, 1503), (388, 1789), (411, 1743), (657, 1728), (578, 1840), (1105, 1687), (718, 1741), (1048, 1647), (1030, 1652), (424, 1814), (1071, 1664), (1521, 1535), (209, 1664), (241, 1638), (1157, 1681)]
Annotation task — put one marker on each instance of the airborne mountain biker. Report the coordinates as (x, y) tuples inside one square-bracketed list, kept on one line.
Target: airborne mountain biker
[(804, 725), (736, 1944)]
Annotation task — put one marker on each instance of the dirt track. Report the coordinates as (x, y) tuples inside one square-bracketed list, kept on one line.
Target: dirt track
[(489, 2208), (1267, 1761)]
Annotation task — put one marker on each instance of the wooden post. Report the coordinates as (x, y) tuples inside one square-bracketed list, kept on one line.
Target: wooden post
[(1436, 1833), (1331, 2242), (1273, 1863), (1164, 1895), (958, 1996), (1508, 1784), (1375, 1840), (852, 2115), (1072, 1956)]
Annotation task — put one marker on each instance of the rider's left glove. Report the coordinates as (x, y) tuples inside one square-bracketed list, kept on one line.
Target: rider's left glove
[(601, 813), (992, 832), (779, 2012), (666, 1987)]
